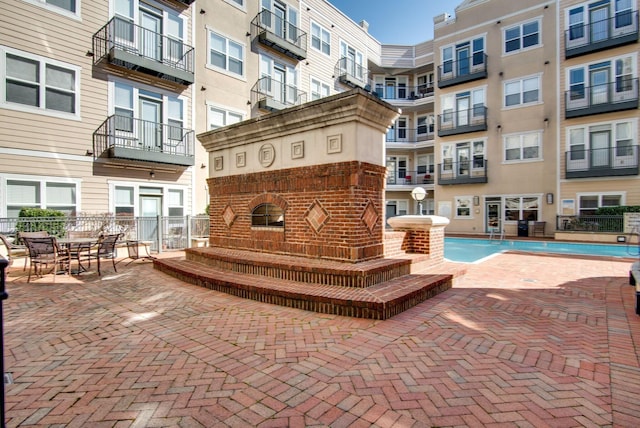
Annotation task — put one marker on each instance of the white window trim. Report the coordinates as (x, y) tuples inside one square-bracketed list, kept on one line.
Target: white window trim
[(621, 193), (55, 9), (226, 109), (456, 199), (585, 6), (520, 24), (321, 82), (186, 117), (226, 72), (42, 180), (522, 103), (187, 194), (585, 67), (453, 45), (634, 130), (322, 28), (4, 50), (539, 196), (242, 7), (540, 157)]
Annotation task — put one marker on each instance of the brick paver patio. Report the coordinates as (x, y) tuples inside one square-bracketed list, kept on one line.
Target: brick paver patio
[(520, 340)]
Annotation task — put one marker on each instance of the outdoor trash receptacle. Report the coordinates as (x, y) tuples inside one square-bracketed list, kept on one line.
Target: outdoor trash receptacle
[(523, 228)]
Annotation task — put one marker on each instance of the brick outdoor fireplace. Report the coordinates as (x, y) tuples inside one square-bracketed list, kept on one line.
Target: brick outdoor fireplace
[(297, 213)]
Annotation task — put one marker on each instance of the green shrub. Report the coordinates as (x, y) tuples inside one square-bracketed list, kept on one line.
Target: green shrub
[(53, 221), (618, 210)]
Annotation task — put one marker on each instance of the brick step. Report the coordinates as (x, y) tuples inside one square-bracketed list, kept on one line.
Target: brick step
[(307, 270), (380, 301)]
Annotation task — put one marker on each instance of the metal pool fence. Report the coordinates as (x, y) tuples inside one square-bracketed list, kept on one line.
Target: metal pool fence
[(164, 232)]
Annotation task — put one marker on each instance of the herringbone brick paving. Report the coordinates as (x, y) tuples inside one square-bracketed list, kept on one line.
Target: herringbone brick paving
[(521, 340)]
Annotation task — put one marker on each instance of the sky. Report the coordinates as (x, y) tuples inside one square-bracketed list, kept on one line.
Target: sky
[(397, 22)]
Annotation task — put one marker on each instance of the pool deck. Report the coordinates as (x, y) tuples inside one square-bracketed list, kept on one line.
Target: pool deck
[(520, 340)]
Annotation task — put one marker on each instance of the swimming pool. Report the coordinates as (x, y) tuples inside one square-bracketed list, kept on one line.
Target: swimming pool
[(471, 250)]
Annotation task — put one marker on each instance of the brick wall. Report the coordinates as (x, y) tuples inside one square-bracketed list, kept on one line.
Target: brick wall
[(332, 211)]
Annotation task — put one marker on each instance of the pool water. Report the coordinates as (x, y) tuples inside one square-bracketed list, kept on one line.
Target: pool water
[(470, 250)]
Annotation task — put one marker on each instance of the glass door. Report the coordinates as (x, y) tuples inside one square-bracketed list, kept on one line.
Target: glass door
[(462, 56), (150, 124), (462, 111), (150, 210), (280, 12), (463, 155), (598, 19), (151, 35), (391, 171), (390, 88), (600, 148), (279, 82), (599, 80), (493, 210)]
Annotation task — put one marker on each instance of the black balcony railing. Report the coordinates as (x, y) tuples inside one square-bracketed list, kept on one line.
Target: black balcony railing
[(351, 73), (463, 172), (408, 93), (122, 43), (590, 223), (606, 162), (279, 34), (410, 135), (616, 96), (462, 121), (463, 70), (270, 94), (402, 177), (583, 38), (124, 137)]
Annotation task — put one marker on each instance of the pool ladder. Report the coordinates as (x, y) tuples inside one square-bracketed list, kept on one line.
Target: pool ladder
[(492, 234), (634, 232)]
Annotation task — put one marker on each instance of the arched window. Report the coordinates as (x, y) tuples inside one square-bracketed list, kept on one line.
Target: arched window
[(267, 215)]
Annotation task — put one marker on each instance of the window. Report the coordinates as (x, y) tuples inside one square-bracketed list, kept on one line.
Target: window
[(218, 117), (351, 61), (398, 207), (463, 107), (522, 147), (238, 2), (463, 58), (597, 83), (320, 39), (522, 36), (36, 193), (124, 197), (588, 204), (601, 145), (522, 208), (522, 91), (319, 89), (175, 202), (64, 7), (600, 20), (267, 215), (279, 80), (226, 54), (38, 84), (425, 125), (463, 206)]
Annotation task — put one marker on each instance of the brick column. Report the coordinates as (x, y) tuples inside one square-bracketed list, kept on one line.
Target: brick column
[(424, 234)]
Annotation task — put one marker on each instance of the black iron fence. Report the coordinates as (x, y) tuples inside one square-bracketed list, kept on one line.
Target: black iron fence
[(163, 232)]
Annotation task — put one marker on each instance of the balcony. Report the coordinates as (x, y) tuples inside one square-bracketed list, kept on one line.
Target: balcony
[(610, 97), (462, 121), (465, 172), (186, 2), (466, 70), (606, 162), (399, 178), (581, 39), (410, 136), (272, 95), (351, 74), (132, 47), (273, 31), (404, 93), (123, 138)]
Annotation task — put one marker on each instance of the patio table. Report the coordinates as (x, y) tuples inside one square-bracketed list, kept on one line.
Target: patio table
[(77, 246)]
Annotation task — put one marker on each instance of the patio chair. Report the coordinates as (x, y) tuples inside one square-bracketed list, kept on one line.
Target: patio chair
[(106, 250), (45, 252), (22, 235), (11, 251)]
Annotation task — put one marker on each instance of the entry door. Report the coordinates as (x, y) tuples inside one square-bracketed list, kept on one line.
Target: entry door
[(391, 172), (390, 89), (599, 80), (150, 209), (493, 210), (280, 79), (598, 18), (462, 111), (600, 149), (151, 35), (463, 160), (280, 26), (150, 124), (463, 61)]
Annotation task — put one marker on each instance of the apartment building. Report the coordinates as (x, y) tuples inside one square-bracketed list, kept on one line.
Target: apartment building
[(515, 112), (598, 136), (96, 107)]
